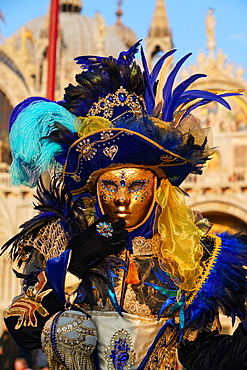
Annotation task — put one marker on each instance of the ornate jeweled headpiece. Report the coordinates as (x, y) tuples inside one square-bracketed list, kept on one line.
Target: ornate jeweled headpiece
[(105, 106)]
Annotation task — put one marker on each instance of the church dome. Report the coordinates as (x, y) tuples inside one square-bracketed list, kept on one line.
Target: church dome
[(126, 34), (80, 33), (70, 5)]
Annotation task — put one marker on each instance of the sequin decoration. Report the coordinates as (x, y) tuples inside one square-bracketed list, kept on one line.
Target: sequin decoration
[(86, 149), (110, 152), (27, 305), (72, 336), (142, 246), (104, 229), (120, 353), (104, 135)]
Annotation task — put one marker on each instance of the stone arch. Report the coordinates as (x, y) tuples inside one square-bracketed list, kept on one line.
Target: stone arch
[(12, 86), (156, 48), (225, 215), (5, 111)]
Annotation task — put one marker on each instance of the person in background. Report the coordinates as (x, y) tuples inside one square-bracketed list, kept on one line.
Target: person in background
[(8, 350), (21, 364)]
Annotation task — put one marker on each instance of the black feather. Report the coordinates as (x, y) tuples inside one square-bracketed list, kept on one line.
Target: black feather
[(55, 203)]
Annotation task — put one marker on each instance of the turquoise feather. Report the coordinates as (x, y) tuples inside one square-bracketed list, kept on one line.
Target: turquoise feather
[(32, 156)]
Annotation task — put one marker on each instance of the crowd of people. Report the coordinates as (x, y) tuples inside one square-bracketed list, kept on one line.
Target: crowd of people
[(13, 357)]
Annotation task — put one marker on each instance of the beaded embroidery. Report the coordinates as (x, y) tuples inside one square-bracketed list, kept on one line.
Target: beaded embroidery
[(50, 241), (105, 106), (72, 336), (104, 229), (110, 152), (120, 354), (86, 149)]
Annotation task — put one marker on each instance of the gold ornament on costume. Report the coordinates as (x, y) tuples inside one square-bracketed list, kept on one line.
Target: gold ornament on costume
[(210, 264), (142, 246), (50, 241), (105, 106), (110, 152), (26, 305), (70, 338), (86, 149)]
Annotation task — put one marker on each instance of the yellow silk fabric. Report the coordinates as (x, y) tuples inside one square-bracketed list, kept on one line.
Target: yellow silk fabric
[(180, 250), (87, 125)]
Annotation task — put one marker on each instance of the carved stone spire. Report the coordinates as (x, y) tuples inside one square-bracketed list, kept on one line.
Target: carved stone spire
[(159, 36), (210, 23), (159, 26)]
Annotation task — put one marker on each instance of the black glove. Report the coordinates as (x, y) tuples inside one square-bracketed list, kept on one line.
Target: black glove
[(91, 246)]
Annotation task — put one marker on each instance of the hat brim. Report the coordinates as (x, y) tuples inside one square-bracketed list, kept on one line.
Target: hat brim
[(94, 154)]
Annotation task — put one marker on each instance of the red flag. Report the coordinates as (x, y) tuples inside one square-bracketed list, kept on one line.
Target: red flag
[(52, 49)]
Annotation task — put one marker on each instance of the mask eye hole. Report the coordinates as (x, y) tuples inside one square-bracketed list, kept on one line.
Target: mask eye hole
[(137, 185), (109, 185)]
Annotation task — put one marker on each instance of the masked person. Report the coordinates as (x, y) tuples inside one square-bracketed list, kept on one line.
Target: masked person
[(119, 272)]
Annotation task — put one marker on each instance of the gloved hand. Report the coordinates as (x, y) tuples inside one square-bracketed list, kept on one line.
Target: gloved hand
[(95, 243)]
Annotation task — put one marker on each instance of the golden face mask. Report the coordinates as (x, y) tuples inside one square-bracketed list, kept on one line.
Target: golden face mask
[(127, 193)]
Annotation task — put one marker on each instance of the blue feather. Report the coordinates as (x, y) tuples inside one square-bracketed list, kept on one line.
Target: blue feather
[(166, 304), (195, 94), (226, 286), (154, 74), (167, 90), (17, 110), (164, 277), (177, 94), (149, 94), (181, 317), (127, 57), (113, 300), (185, 84), (204, 101)]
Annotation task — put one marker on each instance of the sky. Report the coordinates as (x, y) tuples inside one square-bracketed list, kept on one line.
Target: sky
[(186, 20)]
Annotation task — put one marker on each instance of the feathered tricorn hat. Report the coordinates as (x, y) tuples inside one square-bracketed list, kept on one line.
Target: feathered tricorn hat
[(113, 117)]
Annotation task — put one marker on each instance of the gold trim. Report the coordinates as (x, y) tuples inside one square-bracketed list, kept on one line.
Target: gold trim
[(207, 271), (26, 305), (108, 107), (131, 133)]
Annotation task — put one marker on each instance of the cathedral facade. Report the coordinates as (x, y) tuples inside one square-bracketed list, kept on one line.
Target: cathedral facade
[(220, 194)]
